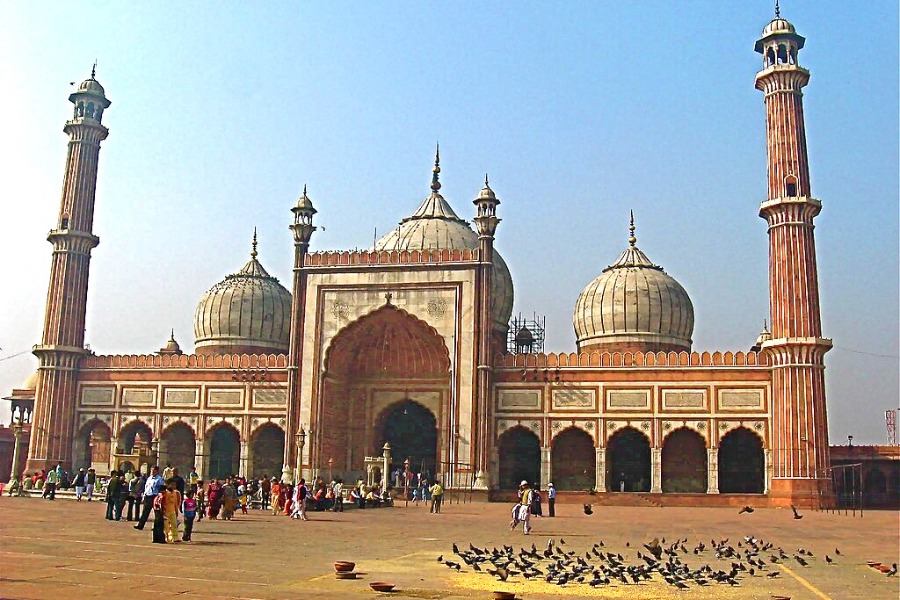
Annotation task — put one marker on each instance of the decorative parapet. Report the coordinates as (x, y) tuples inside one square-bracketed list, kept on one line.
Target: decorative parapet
[(185, 361), (632, 359), (389, 257)]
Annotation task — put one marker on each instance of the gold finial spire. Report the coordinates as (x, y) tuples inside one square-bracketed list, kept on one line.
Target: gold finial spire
[(486, 183), (436, 171), (777, 10), (94, 69), (304, 190), (631, 239), (172, 335), (253, 251)]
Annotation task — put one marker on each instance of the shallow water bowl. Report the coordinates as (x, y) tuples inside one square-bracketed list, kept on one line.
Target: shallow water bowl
[(504, 596), (344, 566), (382, 586), (344, 575)]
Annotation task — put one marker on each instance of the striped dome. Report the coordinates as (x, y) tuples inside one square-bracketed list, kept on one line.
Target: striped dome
[(248, 312), (633, 305)]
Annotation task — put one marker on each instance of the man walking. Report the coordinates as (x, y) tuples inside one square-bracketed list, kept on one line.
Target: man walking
[(50, 486), (525, 506), (152, 488), (551, 499), (89, 481), (79, 484), (437, 496)]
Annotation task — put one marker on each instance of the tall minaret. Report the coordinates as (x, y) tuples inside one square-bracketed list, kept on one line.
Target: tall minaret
[(486, 222), (62, 345), (796, 349)]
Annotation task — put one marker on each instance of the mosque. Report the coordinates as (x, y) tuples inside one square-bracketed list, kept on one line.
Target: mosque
[(406, 344)]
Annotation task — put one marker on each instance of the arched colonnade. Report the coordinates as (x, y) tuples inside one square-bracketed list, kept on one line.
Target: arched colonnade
[(683, 463)]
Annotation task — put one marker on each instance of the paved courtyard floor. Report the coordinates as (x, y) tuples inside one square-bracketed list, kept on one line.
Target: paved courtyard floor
[(60, 550)]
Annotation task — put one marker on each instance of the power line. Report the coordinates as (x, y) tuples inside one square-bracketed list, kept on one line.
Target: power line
[(866, 353), (15, 355)]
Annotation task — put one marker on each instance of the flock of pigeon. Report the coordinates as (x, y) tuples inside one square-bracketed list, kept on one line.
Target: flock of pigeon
[(749, 557)]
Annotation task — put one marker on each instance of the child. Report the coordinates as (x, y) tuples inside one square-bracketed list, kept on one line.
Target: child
[(201, 500), (189, 510), (171, 507), (243, 497)]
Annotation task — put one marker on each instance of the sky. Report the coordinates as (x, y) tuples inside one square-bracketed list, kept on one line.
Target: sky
[(579, 111)]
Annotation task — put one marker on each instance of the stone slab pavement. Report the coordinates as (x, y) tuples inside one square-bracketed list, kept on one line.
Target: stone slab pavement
[(63, 549)]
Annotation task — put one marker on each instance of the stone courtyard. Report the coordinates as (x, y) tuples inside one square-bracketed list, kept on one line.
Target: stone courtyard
[(64, 549)]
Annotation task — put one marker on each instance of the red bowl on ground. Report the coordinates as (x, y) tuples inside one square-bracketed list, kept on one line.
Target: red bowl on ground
[(344, 566), (381, 586)]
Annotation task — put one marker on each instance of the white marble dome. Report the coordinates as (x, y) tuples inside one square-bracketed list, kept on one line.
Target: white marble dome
[(434, 225), (248, 312), (633, 305)]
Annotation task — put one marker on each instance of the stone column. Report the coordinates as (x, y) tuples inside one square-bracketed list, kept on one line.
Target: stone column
[(600, 469), (656, 470), (712, 471), (767, 470), (199, 459), (111, 462), (546, 470), (243, 468)]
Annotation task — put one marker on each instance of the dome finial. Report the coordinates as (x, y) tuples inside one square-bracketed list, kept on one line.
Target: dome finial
[(631, 239), (94, 69), (253, 252), (486, 183), (777, 10), (435, 172)]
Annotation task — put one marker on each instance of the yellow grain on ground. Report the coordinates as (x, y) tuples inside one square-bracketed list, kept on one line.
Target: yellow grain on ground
[(525, 589)]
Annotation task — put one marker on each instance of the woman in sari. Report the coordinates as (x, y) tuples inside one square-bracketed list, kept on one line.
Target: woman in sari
[(229, 499), (214, 499), (276, 497)]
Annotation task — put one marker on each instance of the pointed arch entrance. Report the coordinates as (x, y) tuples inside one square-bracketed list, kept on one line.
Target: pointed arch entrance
[(684, 463), (94, 446), (380, 365), (628, 461), (266, 451), (520, 457), (177, 447), (411, 429), (136, 433), (223, 446), (573, 460), (741, 463)]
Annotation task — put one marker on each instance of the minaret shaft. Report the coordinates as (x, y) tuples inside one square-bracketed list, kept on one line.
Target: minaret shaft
[(800, 457), (62, 343)]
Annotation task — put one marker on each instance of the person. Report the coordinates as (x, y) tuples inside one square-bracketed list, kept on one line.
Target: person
[(525, 507), (152, 487), (287, 495), (551, 500), (89, 481), (159, 529), (265, 490), (536, 501), (437, 497), (135, 486), (201, 500), (338, 492), (243, 497), (275, 496), (123, 496), (179, 481), (112, 496), (357, 498), (301, 494), (214, 499), (167, 472), (171, 508), (229, 499), (193, 479), (79, 484), (189, 510), (50, 485)]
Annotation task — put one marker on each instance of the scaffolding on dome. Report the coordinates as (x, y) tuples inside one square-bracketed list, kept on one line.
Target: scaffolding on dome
[(526, 336)]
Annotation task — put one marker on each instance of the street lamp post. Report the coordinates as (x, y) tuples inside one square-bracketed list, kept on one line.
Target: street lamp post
[(331, 469), (17, 441), (301, 441)]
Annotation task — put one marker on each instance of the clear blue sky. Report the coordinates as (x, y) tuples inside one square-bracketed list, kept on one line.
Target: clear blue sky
[(580, 111)]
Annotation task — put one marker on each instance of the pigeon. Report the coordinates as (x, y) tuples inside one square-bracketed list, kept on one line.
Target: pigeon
[(746, 509), (829, 560), (588, 509), (796, 514), (441, 558), (455, 548), (892, 571), (773, 575)]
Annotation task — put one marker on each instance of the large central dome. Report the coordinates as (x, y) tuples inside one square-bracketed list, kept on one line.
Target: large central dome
[(435, 226), (633, 306), (247, 313)]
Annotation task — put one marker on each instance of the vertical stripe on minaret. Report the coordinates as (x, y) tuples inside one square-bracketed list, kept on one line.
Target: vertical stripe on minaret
[(797, 349), (62, 344)]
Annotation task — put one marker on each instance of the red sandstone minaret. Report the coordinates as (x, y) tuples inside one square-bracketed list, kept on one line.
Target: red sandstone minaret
[(62, 345), (797, 349)]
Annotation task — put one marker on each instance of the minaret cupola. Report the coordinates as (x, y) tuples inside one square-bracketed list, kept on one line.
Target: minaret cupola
[(90, 100)]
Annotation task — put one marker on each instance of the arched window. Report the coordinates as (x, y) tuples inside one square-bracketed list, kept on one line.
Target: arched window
[(770, 57), (782, 54), (90, 110), (790, 186)]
